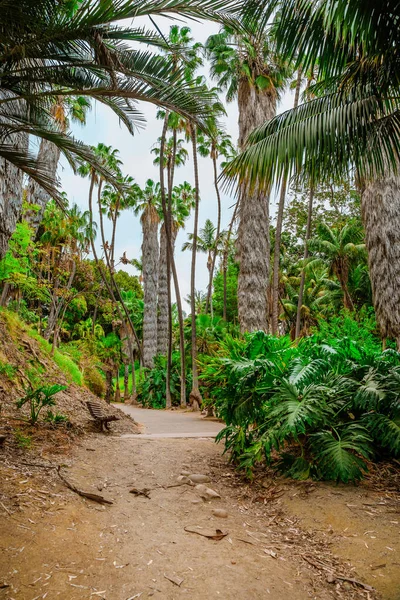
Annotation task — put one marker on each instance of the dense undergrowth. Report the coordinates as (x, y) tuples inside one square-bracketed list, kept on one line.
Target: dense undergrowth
[(321, 409)]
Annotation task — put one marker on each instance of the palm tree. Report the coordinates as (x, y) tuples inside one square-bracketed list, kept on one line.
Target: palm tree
[(194, 396), (199, 301), (278, 233), (337, 248), (352, 122), (147, 204), (182, 202), (320, 294), (107, 156), (113, 201), (85, 52), (303, 275), (64, 109), (216, 142), (189, 61), (247, 67), (207, 243)]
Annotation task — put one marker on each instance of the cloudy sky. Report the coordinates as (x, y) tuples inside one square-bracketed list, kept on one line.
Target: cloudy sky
[(103, 126)]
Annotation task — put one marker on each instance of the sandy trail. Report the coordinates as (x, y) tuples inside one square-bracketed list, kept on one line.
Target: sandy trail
[(55, 544)]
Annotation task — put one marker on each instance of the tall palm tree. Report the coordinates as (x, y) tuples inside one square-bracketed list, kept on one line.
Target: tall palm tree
[(113, 201), (194, 396), (215, 143), (147, 204), (320, 294), (65, 108), (85, 52), (247, 66), (208, 243), (106, 155), (182, 203), (352, 122), (336, 249), (278, 233)]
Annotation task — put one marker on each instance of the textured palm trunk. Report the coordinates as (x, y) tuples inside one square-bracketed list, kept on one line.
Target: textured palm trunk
[(10, 192), (150, 253), (380, 209), (126, 382), (278, 234), (341, 271), (303, 275), (218, 232), (49, 155), (163, 304), (225, 257), (195, 396), (253, 243), (117, 397), (171, 259)]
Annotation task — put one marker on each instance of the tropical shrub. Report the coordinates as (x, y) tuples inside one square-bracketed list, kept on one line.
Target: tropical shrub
[(321, 409), (39, 398), (95, 381), (152, 389)]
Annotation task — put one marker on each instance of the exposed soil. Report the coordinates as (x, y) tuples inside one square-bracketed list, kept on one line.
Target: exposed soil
[(284, 540), (23, 355)]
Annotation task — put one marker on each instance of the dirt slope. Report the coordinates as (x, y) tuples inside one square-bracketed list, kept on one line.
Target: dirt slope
[(23, 361)]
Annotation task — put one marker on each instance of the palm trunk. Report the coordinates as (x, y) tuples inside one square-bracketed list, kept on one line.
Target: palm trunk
[(303, 275), (109, 386), (225, 257), (11, 179), (253, 232), (278, 234), (48, 154), (117, 396), (163, 306), (126, 382), (114, 231), (218, 232), (168, 234), (380, 209), (195, 396), (277, 250), (133, 391), (150, 279), (109, 286)]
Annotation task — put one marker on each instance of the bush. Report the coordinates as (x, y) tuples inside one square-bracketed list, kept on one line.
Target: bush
[(152, 390), (319, 409), (95, 381)]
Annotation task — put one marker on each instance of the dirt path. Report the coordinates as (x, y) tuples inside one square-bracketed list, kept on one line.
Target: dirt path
[(55, 544), (172, 424)]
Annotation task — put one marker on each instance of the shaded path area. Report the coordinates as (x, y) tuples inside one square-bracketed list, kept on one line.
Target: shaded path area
[(172, 424)]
